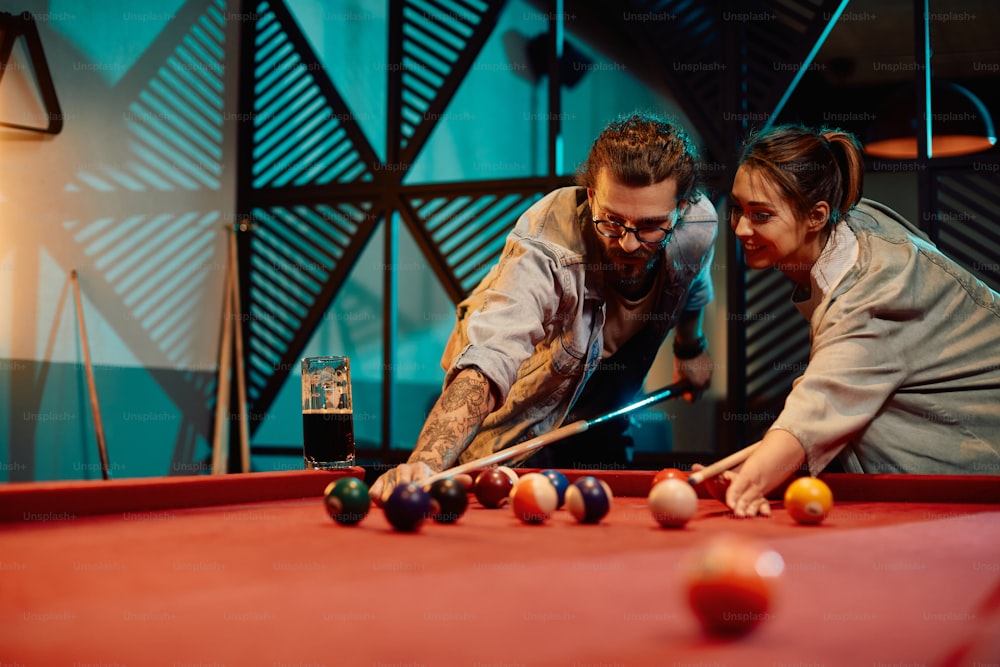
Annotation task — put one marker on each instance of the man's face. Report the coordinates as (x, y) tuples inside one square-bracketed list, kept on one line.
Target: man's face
[(627, 261)]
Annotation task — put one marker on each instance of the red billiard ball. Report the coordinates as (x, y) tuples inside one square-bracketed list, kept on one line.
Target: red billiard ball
[(589, 499), (347, 500), (492, 488), (449, 500), (534, 498), (808, 500), (730, 584), (668, 473), (407, 507), (672, 502)]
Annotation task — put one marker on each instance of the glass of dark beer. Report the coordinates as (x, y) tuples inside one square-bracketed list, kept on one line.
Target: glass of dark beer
[(327, 413)]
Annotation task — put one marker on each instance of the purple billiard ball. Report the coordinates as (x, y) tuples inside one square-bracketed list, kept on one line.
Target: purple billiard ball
[(407, 507)]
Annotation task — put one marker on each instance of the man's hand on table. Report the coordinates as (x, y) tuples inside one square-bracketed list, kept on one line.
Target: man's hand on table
[(401, 474)]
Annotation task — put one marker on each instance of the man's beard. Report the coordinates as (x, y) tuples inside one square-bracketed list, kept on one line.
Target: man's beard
[(629, 276)]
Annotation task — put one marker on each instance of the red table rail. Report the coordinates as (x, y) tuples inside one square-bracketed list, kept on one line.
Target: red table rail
[(29, 501)]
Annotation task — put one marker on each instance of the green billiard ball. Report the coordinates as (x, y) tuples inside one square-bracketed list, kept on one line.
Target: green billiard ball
[(347, 500)]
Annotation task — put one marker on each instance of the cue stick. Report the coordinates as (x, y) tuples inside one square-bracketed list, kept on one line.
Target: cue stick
[(573, 428), (220, 453), (102, 448), (241, 382), (722, 465)]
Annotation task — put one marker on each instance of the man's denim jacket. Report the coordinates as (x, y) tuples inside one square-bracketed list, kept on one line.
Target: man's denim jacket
[(534, 324)]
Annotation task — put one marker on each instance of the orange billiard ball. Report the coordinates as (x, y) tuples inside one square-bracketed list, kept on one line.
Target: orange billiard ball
[(534, 498), (808, 500), (730, 583)]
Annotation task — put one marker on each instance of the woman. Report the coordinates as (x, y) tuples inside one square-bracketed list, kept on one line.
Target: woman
[(904, 366)]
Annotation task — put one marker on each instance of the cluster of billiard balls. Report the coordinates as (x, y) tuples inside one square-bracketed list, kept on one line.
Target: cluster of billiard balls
[(534, 497), (729, 581), (672, 501), (347, 501)]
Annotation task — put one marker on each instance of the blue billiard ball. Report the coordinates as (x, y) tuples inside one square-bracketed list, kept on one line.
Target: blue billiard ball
[(560, 482), (407, 507), (589, 499)]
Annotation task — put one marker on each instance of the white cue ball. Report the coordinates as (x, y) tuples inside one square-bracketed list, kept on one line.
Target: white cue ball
[(672, 502)]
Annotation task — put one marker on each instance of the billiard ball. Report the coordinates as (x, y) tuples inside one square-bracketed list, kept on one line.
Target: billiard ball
[(466, 481), (448, 500), (560, 482), (672, 502), (808, 500), (589, 499), (407, 507), (509, 472), (347, 500), (492, 488), (534, 498), (715, 486), (730, 583), (668, 473)]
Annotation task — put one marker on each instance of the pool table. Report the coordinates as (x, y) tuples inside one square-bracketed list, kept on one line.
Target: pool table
[(248, 569)]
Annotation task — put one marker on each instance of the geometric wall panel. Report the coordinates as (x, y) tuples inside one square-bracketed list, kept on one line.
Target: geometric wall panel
[(299, 254), (158, 265), (439, 42), (299, 135), (174, 123), (966, 221), (313, 187), (467, 232), (777, 341), (700, 43)]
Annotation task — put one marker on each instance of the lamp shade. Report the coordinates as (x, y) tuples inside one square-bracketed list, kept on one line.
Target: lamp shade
[(960, 124)]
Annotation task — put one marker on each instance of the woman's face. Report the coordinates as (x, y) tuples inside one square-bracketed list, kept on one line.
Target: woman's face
[(768, 228)]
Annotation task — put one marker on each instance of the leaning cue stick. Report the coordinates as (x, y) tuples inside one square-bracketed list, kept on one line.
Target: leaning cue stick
[(241, 382), (102, 448), (220, 445), (573, 428), (722, 465)]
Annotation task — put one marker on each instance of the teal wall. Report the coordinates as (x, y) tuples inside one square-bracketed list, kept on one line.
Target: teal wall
[(137, 190)]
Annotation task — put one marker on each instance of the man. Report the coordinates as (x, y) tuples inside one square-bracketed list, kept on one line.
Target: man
[(568, 322)]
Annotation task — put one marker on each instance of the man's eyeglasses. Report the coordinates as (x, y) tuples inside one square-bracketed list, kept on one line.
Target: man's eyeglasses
[(646, 235)]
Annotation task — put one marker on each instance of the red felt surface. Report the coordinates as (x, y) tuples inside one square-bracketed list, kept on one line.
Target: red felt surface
[(277, 582)]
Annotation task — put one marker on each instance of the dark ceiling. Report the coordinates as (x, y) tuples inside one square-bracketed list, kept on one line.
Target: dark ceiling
[(869, 52)]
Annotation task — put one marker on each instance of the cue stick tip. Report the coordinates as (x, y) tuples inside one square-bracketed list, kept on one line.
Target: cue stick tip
[(722, 465)]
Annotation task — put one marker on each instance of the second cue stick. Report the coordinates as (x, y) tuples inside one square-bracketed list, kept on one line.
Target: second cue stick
[(560, 433), (102, 448), (220, 440), (241, 382)]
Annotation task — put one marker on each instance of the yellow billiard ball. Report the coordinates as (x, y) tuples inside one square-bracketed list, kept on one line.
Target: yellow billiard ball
[(808, 500)]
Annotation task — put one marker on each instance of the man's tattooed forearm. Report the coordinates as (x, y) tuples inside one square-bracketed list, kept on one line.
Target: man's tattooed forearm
[(471, 393)]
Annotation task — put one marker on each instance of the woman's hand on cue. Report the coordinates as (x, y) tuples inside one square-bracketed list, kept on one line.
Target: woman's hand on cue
[(401, 474), (779, 456), (717, 485)]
